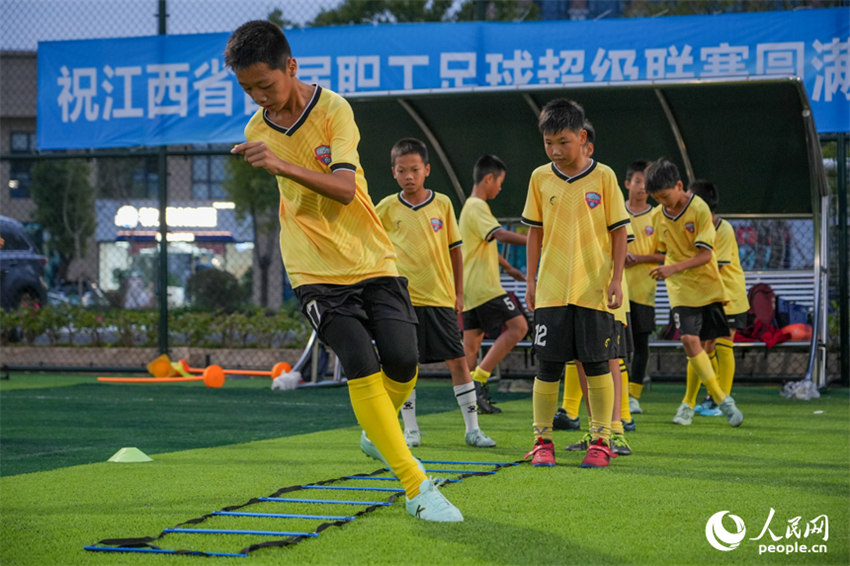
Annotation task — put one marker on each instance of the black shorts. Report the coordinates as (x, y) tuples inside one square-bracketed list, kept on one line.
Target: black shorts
[(625, 343), (380, 298), (643, 318), (737, 321), (439, 334), (563, 334), (492, 315), (708, 322)]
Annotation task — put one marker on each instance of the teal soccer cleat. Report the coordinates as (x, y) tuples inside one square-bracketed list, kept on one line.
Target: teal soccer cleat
[(431, 505), (477, 438)]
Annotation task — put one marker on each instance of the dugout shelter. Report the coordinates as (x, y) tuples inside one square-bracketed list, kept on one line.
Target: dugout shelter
[(754, 138)]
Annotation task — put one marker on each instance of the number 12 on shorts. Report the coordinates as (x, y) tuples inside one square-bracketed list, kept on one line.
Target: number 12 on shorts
[(540, 332)]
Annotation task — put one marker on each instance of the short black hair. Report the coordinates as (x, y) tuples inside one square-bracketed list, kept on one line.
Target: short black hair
[(257, 41), (638, 166), (661, 174), (705, 189), (561, 114), (485, 165), (591, 131), (405, 146)]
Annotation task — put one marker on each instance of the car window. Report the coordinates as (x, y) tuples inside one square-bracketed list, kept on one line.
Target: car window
[(12, 239)]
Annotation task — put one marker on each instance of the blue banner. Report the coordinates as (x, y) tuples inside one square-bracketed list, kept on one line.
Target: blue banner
[(174, 89)]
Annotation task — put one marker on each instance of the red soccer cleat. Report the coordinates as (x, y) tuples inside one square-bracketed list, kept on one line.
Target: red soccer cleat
[(543, 453), (598, 455)]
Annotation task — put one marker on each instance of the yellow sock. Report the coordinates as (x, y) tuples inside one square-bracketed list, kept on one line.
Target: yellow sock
[(625, 413), (572, 391), (398, 391), (617, 427), (544, 403), (635, 389), (692, 384), (600, 395), (480, 375), (702, 368), (378, 417), (725, 363)]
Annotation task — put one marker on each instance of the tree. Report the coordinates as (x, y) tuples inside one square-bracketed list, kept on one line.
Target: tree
[(385, 11), (64, 200), (255, 194)]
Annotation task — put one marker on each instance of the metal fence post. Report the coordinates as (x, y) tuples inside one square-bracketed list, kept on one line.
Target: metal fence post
[(162, 172)]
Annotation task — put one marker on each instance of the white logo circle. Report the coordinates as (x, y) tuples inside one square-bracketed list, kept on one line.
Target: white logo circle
[(719, 537)]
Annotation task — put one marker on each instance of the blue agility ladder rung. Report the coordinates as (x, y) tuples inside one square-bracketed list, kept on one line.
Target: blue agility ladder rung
[(468, 463), (160, 551), (330, 501), (285, 516), (487, 473), (344, 488), (381, 478), (239, 532)]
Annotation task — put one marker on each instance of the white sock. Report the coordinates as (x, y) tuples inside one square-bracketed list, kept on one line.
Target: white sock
[(408, 412), (465, 395)]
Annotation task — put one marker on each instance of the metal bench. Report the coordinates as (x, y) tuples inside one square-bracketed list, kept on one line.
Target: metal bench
[(796, 286)]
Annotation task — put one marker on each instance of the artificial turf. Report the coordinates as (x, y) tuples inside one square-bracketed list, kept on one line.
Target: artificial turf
[(217, 448)]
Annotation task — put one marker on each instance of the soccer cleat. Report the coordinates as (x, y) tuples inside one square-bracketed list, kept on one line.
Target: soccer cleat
[(684, 415), (477, 438), (368, 447), (543, 453), (485, 405), (634, 406), (598, 455), (412, 437), (629, 426), (562, 421), (581, 445), (431, 505), (730, 410), (708, 408), (706, 404), (619, 444)]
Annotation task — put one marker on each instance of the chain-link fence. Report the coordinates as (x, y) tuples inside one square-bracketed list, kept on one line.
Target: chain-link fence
[(95, 221)]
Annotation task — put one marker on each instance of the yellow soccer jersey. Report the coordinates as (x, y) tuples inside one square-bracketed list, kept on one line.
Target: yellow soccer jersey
[(322, 240), (481, 279), (731, 272), (678, 238), (641, 285), (621, 314), (422, 235), (577, 215)]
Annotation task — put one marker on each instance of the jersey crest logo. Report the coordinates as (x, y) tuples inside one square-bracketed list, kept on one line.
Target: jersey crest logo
[(689, 226), (649, 230), (436, 224), (593, 199), (323, 154)]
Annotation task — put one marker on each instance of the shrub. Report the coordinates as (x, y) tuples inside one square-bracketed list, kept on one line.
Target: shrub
[(215, 290)]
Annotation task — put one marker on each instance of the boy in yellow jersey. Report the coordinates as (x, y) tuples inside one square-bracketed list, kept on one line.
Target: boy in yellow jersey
[(341, 263), (422, 227), (732, 275), (575, 379), (686, 237), (487, 307), (641, 256), (577, 217)]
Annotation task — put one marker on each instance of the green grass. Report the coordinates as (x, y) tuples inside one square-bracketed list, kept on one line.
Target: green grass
[(216, 448)]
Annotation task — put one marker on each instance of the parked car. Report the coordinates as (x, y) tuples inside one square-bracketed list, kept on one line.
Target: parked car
[(21, 267), (69, 293)]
